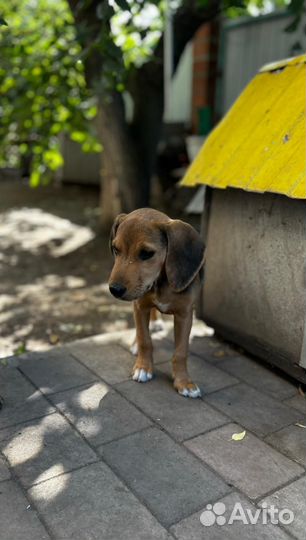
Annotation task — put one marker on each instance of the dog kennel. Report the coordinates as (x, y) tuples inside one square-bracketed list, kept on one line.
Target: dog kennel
[(254, 221)]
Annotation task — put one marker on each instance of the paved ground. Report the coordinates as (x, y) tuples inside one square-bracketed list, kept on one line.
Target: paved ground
[(86, 453)]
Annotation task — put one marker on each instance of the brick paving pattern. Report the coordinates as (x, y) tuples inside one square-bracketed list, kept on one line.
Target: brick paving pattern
[(88, 454)]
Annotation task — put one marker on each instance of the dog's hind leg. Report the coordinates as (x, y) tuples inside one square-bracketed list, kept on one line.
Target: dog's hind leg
[(143, 367), (182, 382)]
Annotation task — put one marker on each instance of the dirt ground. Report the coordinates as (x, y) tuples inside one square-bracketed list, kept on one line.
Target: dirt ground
[(54, 266)]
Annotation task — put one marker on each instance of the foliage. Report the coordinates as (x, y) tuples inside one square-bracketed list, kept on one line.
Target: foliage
[(137, 29), (42, 81), (42, 86)]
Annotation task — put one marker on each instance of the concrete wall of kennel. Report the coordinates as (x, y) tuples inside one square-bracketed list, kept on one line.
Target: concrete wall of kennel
[(254, 290)]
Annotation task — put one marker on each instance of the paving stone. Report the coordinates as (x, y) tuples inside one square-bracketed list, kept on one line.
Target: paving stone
[(122, 337), (180, 416), (292, 497), (211, 349), (92, 504), (162, 348), (111, 362), (191, 528), (170, 481), (256, 411), (203, 345), (291, 441), (99, 413), (162, 354), (257, 375), (43, 448), (4, 472), (297, 402), (18, 521), (251, 465), (55, 371), (21, 400), (208, 377), (125, 338)]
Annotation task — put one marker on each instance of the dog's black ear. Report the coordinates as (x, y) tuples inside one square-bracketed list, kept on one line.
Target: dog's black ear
[(185, 254), (114, 228)]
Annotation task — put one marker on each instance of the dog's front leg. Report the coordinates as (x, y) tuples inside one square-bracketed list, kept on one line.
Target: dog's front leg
[(182, 382), (143, 367)]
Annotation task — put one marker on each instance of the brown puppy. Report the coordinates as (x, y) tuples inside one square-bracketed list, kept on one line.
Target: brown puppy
[(157, 265)]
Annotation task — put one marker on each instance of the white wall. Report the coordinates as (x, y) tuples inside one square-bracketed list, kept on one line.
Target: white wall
[(181, 89)]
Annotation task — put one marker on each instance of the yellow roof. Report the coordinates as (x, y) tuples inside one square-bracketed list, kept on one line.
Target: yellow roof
[(260, 145)]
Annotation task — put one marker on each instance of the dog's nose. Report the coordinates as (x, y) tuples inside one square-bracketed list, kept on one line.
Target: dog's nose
[(117, 290)]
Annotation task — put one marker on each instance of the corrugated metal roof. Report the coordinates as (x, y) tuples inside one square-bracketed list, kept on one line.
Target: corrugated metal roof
[(260, 145)]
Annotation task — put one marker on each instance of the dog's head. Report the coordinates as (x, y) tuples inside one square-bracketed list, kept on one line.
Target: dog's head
[(146, 243)]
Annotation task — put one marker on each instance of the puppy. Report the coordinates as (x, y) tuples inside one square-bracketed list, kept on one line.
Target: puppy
[(158, 264)]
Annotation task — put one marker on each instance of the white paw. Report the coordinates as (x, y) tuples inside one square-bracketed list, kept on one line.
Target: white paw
[(134, 349), (141, 375), (190, 392)]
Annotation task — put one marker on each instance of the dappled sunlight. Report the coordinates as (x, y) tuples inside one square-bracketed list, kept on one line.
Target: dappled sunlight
[(6, 300), (55, 470), (165, 329), (200, 329), (51, 282), (90, 398), (32, 345), (32, 229), (105, 288), (92, 429), (54, 489), (24, 447), (88, 402), (34, 396), (53, 285), (6, 316)]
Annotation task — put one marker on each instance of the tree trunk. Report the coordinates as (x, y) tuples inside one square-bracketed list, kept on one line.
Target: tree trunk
[(119, 165), (129, 152)]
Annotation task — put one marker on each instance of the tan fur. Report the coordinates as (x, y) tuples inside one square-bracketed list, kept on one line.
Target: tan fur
[(168, 281)]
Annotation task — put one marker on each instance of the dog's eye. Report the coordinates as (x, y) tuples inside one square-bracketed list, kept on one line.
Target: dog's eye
[(146, 254), (115, 250)]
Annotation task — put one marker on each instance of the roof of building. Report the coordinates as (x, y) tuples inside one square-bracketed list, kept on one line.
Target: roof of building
[(260, 143)]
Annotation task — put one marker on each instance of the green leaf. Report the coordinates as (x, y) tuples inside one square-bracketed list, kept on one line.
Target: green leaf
[(78, 136), (91, 112), (86, 147), (23, 148), (36, 71), (34, 179), (238, 436), (97, 147), (21, 349), (53, 159), (3, 22)]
